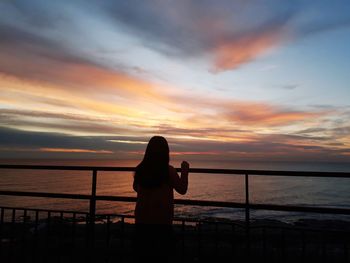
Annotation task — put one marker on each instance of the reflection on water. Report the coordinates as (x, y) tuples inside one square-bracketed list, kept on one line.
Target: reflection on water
[(330, 192)]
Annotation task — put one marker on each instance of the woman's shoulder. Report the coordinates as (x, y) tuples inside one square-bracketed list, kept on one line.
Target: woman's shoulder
[(172, 172), (171, 168)]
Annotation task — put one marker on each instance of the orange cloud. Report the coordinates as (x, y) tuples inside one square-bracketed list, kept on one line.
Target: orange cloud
[(180, 153), (230, 114), (263, 114), (94, 78), (66, 150), (196, 153), (76, 76), (98, 112), (89, 90), (230, 54)]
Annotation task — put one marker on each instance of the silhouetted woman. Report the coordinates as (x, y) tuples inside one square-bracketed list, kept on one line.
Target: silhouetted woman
[(154, 182)]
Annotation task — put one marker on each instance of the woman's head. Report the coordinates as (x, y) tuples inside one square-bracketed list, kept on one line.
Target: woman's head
[(157, 150), (154, 168)]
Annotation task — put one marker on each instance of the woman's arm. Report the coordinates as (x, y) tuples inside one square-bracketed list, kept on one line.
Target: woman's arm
[(180, 184)]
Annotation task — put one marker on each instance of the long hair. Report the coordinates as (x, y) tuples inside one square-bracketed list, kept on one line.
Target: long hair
[(153, 170)]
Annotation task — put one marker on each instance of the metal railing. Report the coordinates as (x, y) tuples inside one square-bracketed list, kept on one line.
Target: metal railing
[(246, 205)]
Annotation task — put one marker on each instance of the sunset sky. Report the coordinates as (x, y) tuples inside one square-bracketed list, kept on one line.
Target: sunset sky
[(248, 80)]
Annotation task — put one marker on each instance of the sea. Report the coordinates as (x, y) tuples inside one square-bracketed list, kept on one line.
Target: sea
[(281, 190)]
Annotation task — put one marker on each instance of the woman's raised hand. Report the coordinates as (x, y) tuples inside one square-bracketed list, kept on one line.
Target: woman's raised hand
[(185, 166)]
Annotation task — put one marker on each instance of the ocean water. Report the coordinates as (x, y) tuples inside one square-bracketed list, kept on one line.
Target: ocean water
[(325, 192)]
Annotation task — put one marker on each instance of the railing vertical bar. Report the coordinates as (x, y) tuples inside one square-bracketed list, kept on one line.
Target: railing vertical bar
[(13, 221), (73, 237), (92, 213), (264, 244), (48, 226), (122, 236), (247, 212), (92, 216), (233, 229), (1, 227), (61, 251), (87, 236), (283, 244), (199, 224), (35, 242), (216, 240), (183, 240), (108, 237), (108, 234), (23, 234), (247, 217), (324, 248), (302, 246), (345, 247)]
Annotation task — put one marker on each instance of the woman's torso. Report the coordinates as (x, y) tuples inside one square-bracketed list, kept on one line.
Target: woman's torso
[(155, 205)]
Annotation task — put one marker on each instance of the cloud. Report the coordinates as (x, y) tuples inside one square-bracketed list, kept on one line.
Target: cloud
[(260, 114), (39, 71), (232, 54), (231, 32), (143, 110), (66, 123), (245, 113), (290, 86), (37, 144), (70, 150), (59, 84), (30, 55), (221, 30), (77, 74), (15, 143), (44, 59)]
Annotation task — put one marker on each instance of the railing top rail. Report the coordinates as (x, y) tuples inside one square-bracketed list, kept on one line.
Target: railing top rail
[(192, 170)]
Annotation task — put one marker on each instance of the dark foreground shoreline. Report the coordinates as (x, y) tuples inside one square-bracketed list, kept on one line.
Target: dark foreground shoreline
[(64, 240)]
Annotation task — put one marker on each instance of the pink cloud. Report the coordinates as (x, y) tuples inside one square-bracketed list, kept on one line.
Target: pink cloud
[(265, 114), (231, 54)]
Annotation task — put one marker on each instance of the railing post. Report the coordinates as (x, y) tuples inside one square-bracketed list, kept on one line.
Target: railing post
[(247, 215), (93, 197), (92, 213), (247, 219)]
